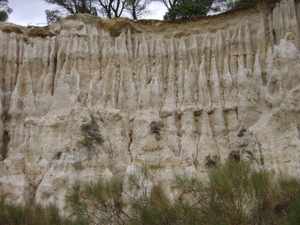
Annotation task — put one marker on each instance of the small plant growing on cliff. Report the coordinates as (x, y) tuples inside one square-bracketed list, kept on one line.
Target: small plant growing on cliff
[(211, 160), (195, 160), (161, 124), (90, 135), (155, 128)]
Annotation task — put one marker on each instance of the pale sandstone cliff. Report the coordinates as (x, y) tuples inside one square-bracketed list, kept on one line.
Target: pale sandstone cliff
[(218, 86)]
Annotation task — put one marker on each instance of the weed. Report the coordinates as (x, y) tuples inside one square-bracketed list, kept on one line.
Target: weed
[(91, 135), (155, 128), (195, 160), (161, 124), (212, 160)]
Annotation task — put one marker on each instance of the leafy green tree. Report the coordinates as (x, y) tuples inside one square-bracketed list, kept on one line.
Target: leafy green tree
[(4, 10), (242, 3), (53, 16), (178, 9), (185, 9), (226, 5), (3, 16)]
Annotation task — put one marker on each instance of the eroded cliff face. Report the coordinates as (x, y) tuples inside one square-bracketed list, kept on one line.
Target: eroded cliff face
[(171, 96)]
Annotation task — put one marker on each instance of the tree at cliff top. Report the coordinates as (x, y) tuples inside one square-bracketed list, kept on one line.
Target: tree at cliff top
[(138, 8), (171, 3), (112, 8), (107, 8), (4, 10), (178, 9), (226, 5), (53, 16), (75, 6), (185, 9)]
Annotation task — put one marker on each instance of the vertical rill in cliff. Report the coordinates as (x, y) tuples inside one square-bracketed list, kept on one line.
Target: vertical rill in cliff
[(215, 87)]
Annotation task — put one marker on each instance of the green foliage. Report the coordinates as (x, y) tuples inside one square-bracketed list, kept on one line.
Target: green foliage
[(195, 160), (4, 10), (139, 184), (3, 16), (294, 217), (185, 9), (289, 203), (226, 5), (160, 124), (32, 215), (242, 3), (227, 192), (233, 194), (192, 198), (86, 142), (159, 210), (98, 203), (212, 160), (90, 134), (239, 195), (53, 16)]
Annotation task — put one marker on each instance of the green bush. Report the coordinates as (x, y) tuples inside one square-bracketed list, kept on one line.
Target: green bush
[(99, 203), (90, 134), (233, 194), (32, 215)]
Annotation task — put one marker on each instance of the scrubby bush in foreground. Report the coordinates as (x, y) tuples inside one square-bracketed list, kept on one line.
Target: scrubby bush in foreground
[(233, 195), (34, 215)]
